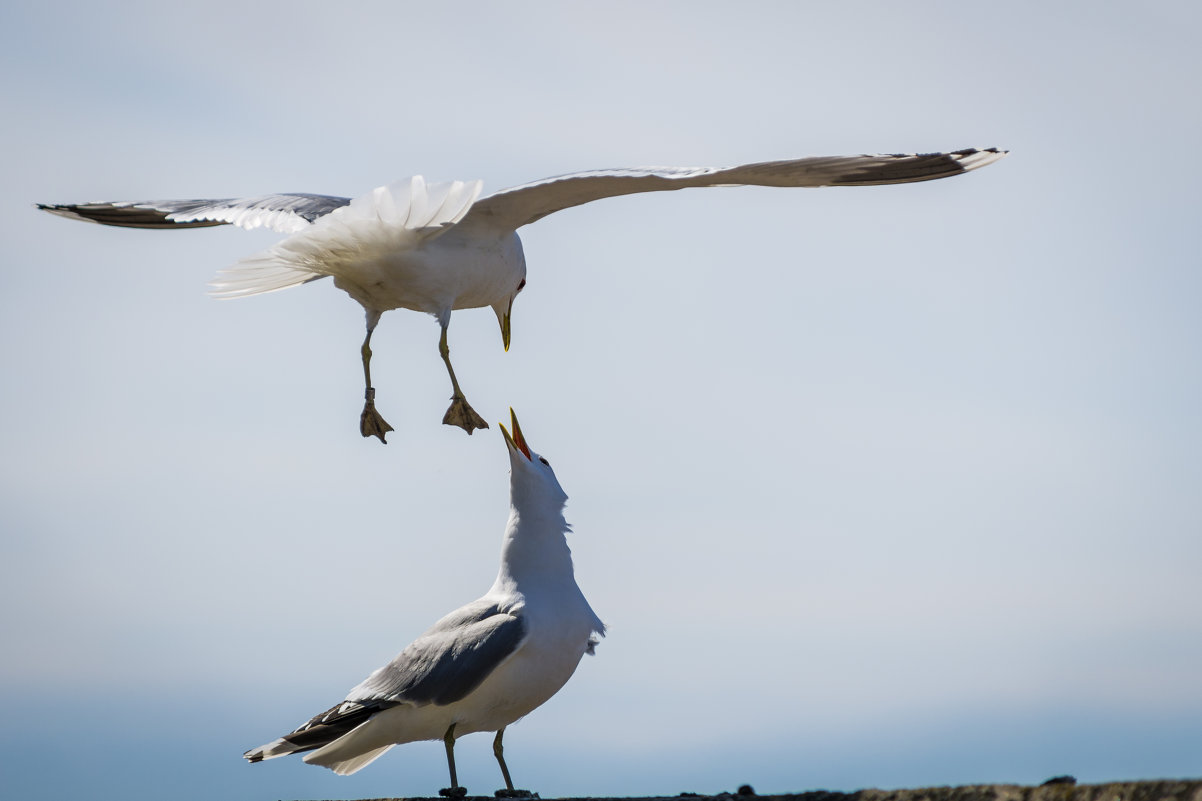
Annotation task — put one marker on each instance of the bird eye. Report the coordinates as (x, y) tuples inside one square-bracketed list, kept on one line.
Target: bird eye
[(544, 461), (521, 286)]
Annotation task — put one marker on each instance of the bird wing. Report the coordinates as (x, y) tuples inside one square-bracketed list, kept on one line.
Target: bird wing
[(450, 660), (439, 667), (522, 205), (287, 213)]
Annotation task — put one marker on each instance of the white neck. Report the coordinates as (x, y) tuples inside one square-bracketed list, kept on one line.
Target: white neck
[(535, 551)]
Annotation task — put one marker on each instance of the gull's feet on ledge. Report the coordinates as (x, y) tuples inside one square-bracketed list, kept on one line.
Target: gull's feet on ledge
[(515, 794), (453, 792), (463, 415), (371, 424)]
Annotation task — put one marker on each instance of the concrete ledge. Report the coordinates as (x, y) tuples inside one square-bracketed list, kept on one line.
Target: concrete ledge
[(1158, 790)]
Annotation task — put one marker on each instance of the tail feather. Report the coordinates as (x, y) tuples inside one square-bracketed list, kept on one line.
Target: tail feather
[(273, 749), (347, 766), (250, 277), (321, 730), (373, 227)]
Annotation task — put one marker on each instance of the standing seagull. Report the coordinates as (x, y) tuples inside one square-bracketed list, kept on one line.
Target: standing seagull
[(438, 248), (484, 665)]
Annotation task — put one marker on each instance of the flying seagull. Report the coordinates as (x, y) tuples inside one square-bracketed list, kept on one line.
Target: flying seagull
[(484, 665), (440, 247)]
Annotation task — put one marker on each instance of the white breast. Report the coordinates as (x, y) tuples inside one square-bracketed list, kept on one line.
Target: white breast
[(541, 667)]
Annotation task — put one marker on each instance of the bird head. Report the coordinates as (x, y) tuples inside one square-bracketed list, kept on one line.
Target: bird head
[(531, 477), (504, 309)]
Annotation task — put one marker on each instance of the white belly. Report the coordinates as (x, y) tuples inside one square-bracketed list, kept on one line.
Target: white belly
[(458, 270), (517, 688), (529, 678)]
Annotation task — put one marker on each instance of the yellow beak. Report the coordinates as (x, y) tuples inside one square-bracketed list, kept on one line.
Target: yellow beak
[(505, 327), (516, 440)]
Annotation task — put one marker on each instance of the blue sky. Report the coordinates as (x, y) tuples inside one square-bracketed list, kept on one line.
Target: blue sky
[(874, 487)]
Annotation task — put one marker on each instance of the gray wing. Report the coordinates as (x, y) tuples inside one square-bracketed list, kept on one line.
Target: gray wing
[(448, 661), (287, 213), (522, 205), (439, 667), (320, 729)]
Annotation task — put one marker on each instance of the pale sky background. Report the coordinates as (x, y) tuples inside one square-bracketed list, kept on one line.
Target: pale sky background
[(875, 487)]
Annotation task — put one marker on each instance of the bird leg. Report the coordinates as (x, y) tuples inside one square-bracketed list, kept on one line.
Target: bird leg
[(371, 424), (454, 791), (499, 752), (460, 412)]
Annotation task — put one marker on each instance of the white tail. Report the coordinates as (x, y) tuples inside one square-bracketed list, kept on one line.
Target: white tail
[(385, 221), (348, 766)]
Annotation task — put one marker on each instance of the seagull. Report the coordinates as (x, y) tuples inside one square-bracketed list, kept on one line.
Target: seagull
[(436, 248), (484, 665)]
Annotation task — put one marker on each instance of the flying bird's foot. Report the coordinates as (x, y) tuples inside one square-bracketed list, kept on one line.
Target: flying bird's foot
[(453, 792), (371, 424), (463, 415), (515, 794)]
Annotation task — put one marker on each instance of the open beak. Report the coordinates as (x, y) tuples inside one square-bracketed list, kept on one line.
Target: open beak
[(516, 440), (505, 334)]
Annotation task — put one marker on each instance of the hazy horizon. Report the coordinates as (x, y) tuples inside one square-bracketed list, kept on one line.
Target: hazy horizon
[(891, 486)]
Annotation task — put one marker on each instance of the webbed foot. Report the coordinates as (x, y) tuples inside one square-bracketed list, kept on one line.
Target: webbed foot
[(515, 794), (371, 424), (453, 792), (463, 415)]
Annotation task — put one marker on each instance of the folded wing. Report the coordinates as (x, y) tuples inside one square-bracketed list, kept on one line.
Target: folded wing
[(450, 660), (440, 667)]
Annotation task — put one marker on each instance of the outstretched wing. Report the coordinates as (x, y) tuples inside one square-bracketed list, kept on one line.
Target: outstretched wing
[(522, 205), (449, 661), (286, 213)]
